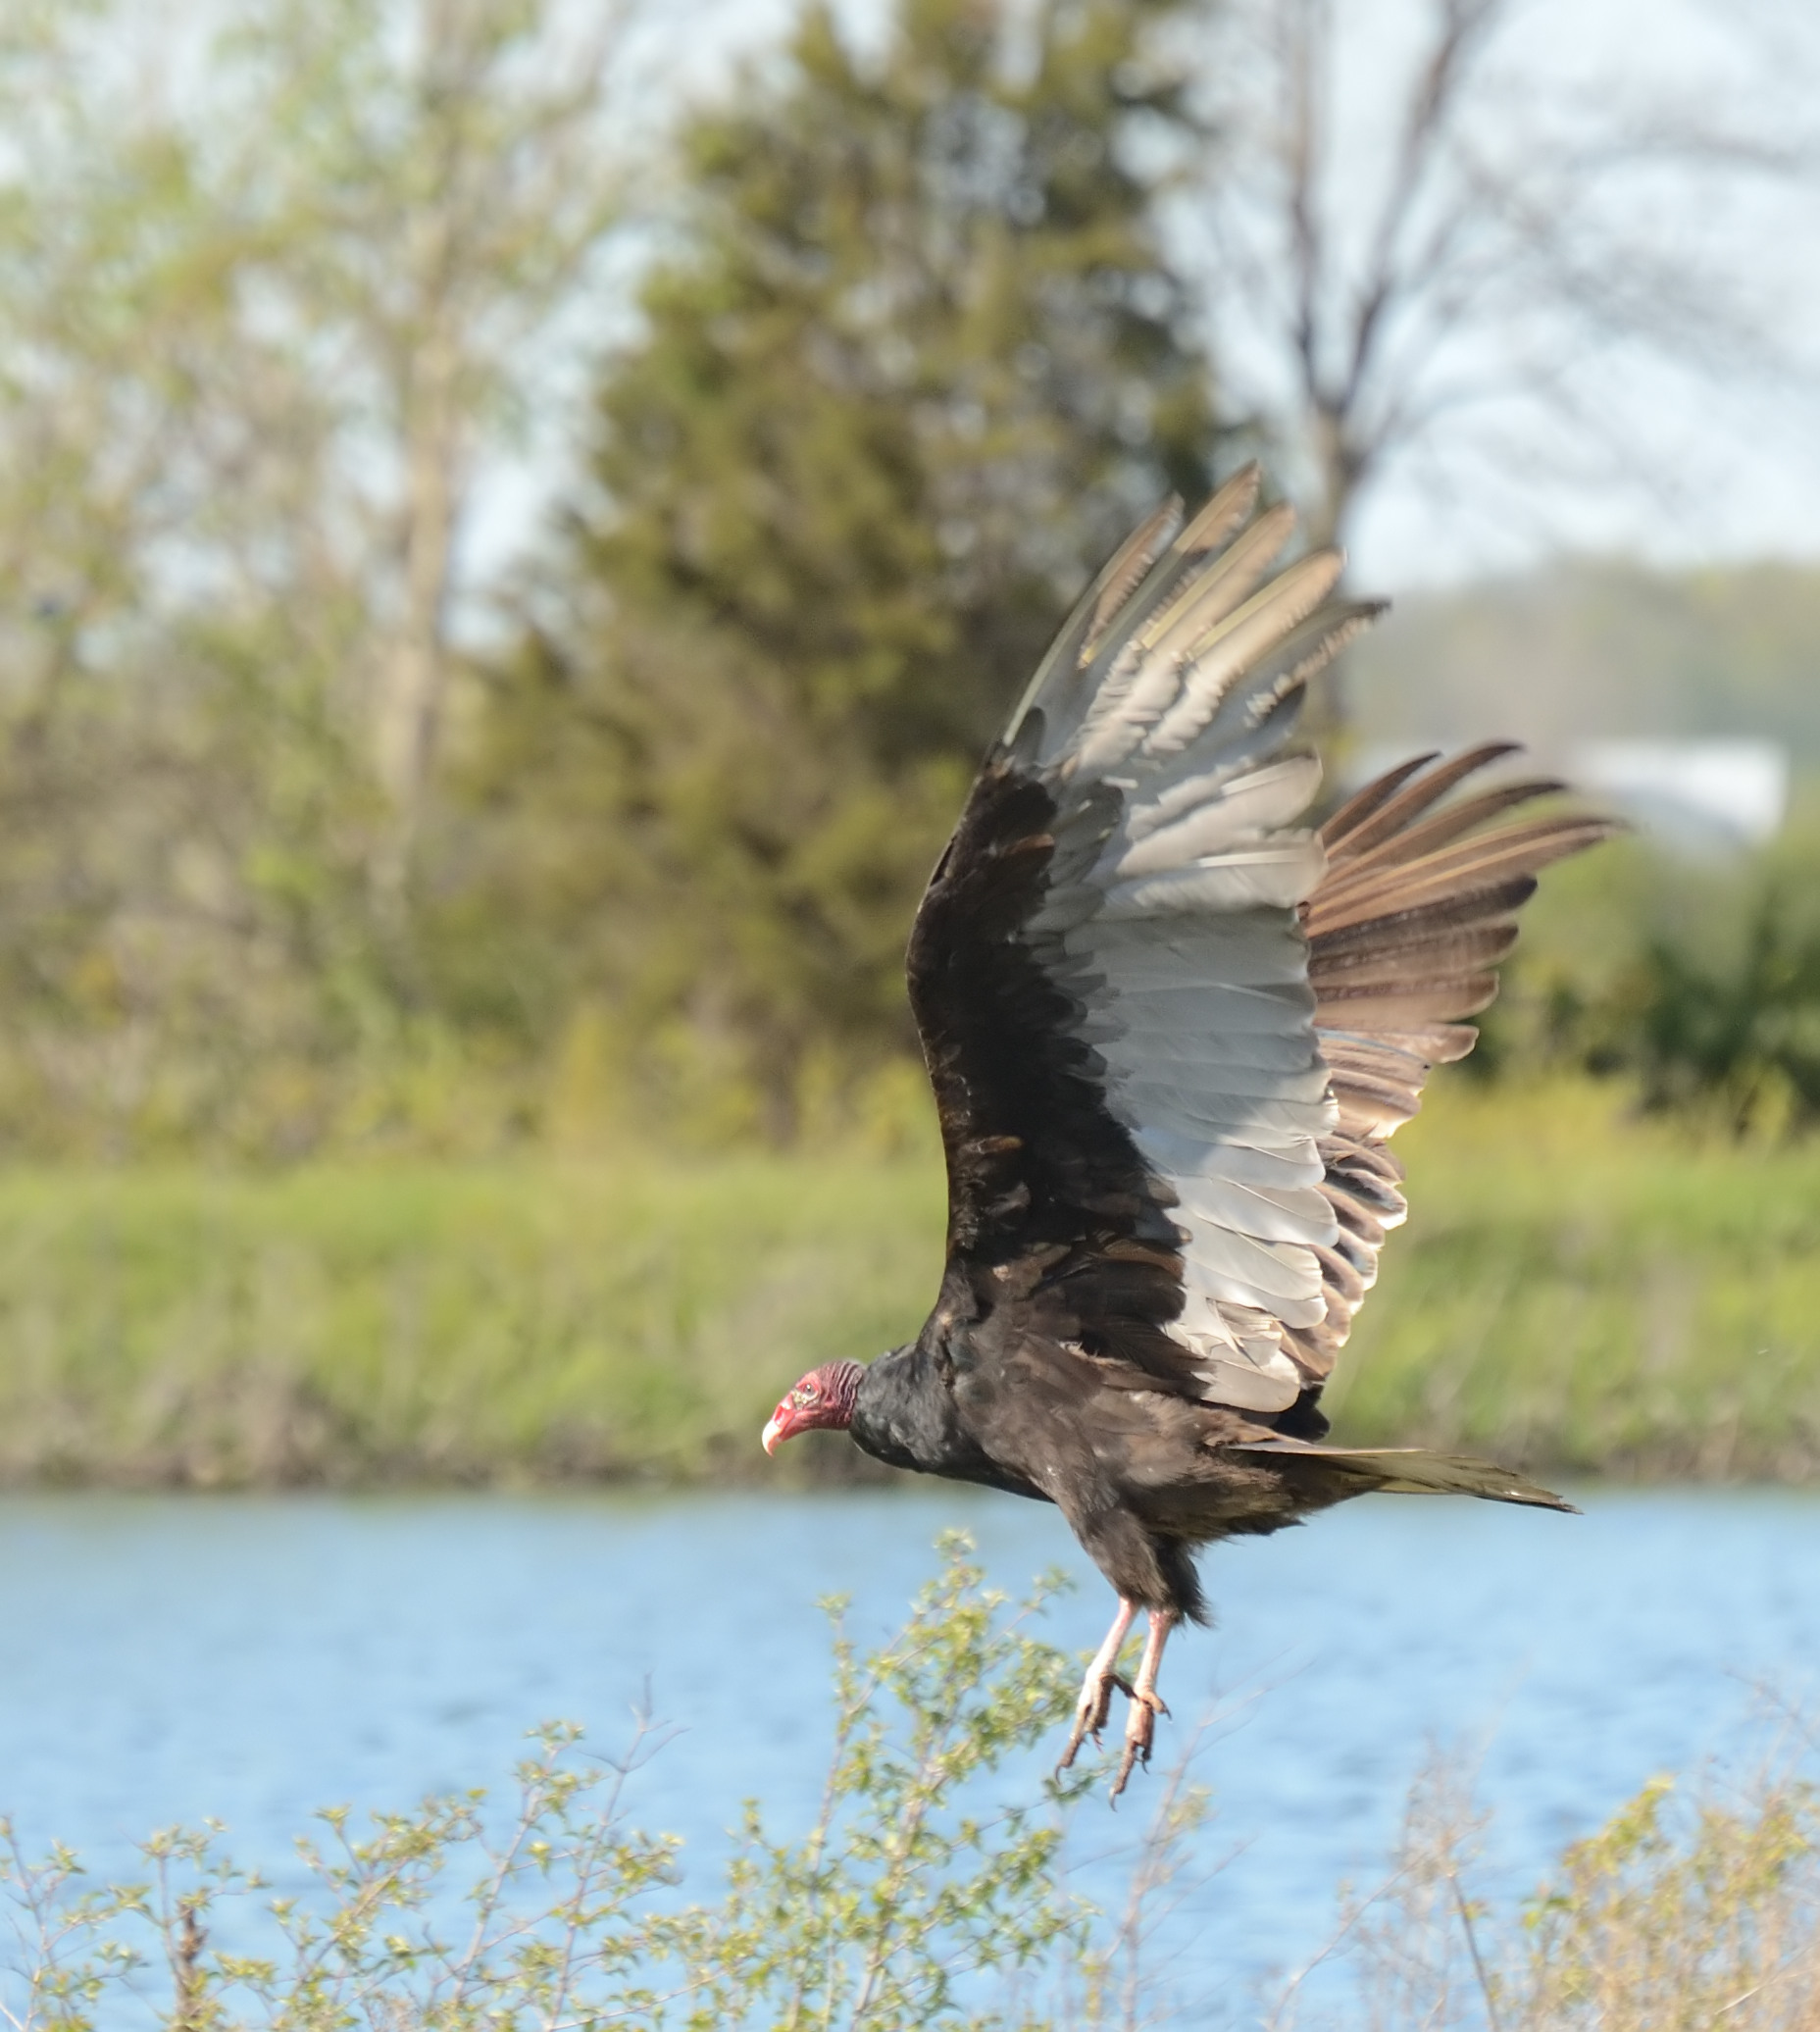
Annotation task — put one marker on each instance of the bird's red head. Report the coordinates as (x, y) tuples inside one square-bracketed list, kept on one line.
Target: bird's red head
[(824, 1398)]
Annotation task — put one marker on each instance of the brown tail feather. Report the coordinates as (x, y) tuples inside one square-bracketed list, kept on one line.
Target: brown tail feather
[(1413, 1471)]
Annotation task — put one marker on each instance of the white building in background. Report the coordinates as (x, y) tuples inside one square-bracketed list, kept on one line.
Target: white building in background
[(1699, 796)]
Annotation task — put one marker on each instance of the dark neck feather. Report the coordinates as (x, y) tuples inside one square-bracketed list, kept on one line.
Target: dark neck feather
[(905, 1414)]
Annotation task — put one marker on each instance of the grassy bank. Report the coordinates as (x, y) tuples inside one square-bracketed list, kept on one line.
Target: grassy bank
[(360, 1325), (1574, 1289)]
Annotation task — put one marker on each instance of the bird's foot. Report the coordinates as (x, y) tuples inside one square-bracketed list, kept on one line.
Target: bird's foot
[(1091, 1710), (1139, 1733)]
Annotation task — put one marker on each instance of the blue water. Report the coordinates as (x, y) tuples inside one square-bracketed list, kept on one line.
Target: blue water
[(255, 1659)]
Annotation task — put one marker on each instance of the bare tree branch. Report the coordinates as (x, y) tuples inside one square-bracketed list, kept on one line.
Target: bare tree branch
[(1453, 234)]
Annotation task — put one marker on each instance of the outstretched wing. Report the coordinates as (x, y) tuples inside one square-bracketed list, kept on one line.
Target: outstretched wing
[(1169, 1029)]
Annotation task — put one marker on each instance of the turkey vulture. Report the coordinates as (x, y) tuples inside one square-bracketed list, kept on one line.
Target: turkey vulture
[(1170, 1032)]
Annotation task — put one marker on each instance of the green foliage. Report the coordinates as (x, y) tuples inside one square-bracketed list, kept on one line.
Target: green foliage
[(1650, 1923), (286, 866), (1747, 1041), (914, 1886), (911, 1884), (178, 831), (913, 367), (1696, 981), (283, 869), (277, 861), (1681, 1912), (262, 322)]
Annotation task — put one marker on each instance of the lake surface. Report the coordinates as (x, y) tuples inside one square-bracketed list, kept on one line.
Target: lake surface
[(255, 1659)]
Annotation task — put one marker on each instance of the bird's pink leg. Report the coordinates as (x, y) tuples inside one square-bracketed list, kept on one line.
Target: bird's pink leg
[(1095, 1700), (1146, 1702)]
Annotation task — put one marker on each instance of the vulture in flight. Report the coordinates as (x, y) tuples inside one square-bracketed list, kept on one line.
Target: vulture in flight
[(1171, 1032)]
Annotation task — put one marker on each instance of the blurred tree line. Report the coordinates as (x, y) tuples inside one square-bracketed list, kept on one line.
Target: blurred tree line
[(299, 839), (916, 366), (269, 289), (317, 825)]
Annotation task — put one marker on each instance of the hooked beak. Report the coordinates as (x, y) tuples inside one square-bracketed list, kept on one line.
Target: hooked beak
[(776, 1431)]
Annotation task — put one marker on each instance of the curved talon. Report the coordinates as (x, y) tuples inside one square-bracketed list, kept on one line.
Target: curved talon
[(1090, 1714), (1147, 1701), (1102, 1675), (1139, 1734)]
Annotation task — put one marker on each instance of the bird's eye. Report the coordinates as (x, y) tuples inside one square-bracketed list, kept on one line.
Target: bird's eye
[(803, 1394)]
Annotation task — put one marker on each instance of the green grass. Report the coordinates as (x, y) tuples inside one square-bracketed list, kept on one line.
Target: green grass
[(1587, 1291), (1574, 1291), (346, 1324)]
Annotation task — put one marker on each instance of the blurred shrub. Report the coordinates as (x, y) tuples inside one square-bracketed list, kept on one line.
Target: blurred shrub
[(1695, 982), (1745, 1043), (1683, 1910), (1703, 1912)]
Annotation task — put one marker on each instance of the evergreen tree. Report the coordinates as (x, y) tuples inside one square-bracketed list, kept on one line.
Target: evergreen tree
[(914, 366)]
